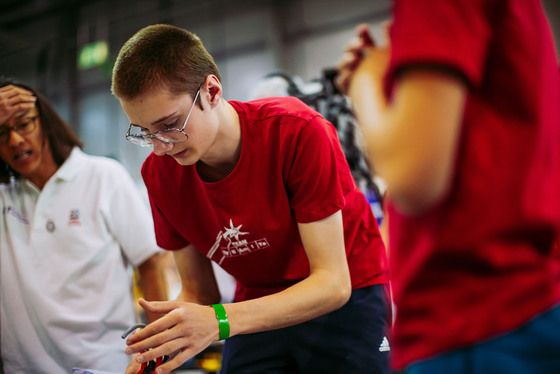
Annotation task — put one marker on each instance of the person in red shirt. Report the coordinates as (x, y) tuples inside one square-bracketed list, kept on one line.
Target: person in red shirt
[(460, 116), (263, 189)]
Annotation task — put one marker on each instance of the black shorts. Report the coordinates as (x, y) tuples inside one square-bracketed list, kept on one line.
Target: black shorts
[(352, 339)]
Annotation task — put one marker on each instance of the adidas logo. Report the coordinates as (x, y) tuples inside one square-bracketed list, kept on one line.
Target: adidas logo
[(384, 347)]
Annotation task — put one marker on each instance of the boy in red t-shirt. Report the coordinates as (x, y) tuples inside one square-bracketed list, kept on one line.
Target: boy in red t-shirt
[(263, 189)]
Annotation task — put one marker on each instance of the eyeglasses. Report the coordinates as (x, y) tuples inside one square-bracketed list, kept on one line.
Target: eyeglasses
[(22, 128), (173, 135)]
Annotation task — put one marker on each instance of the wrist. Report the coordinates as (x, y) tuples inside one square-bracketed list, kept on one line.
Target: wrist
[(223, 322)]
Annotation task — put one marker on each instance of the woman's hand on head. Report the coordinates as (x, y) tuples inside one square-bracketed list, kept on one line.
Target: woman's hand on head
[(14, 99)]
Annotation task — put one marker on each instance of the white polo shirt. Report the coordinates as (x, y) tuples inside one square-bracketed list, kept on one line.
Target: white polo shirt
[(64, 277)]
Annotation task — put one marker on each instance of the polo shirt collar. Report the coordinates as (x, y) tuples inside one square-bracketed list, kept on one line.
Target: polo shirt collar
[(66, 172), (71, 166)]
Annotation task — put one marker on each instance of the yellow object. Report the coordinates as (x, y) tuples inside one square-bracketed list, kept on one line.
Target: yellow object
[(212, 362)]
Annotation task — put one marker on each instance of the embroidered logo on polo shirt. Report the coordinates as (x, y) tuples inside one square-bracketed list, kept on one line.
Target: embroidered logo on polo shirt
[(11, 211), (231, 244), (74, 218)]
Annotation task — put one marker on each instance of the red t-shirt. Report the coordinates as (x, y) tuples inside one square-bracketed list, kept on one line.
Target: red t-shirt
[(291, 169), (480, 264)]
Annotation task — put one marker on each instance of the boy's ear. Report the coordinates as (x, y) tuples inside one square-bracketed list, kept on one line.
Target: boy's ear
[(214, 88)]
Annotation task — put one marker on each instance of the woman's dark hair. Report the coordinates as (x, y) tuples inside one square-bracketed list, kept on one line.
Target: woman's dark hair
[(56, 131)]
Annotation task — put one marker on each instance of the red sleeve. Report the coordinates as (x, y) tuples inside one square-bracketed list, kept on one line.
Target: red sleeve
[(319, 177), (441, 33), (167, 236)]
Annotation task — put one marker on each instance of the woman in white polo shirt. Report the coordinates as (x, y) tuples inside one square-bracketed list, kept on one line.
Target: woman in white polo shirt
[(70, 224)]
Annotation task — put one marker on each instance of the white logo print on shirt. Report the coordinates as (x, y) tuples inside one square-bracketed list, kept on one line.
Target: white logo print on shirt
[(235, 246)]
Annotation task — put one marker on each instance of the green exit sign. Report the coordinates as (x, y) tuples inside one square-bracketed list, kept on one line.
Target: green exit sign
[(93, 54)]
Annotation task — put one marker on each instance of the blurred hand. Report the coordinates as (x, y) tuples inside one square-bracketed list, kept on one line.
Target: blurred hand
[(186, 328), (14, 99), (353, 55)]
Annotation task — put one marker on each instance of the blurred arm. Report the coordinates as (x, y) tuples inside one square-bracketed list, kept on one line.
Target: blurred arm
[(413, 140)]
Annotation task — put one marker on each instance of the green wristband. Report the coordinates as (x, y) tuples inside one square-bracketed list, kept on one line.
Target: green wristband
[(223, 323)]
